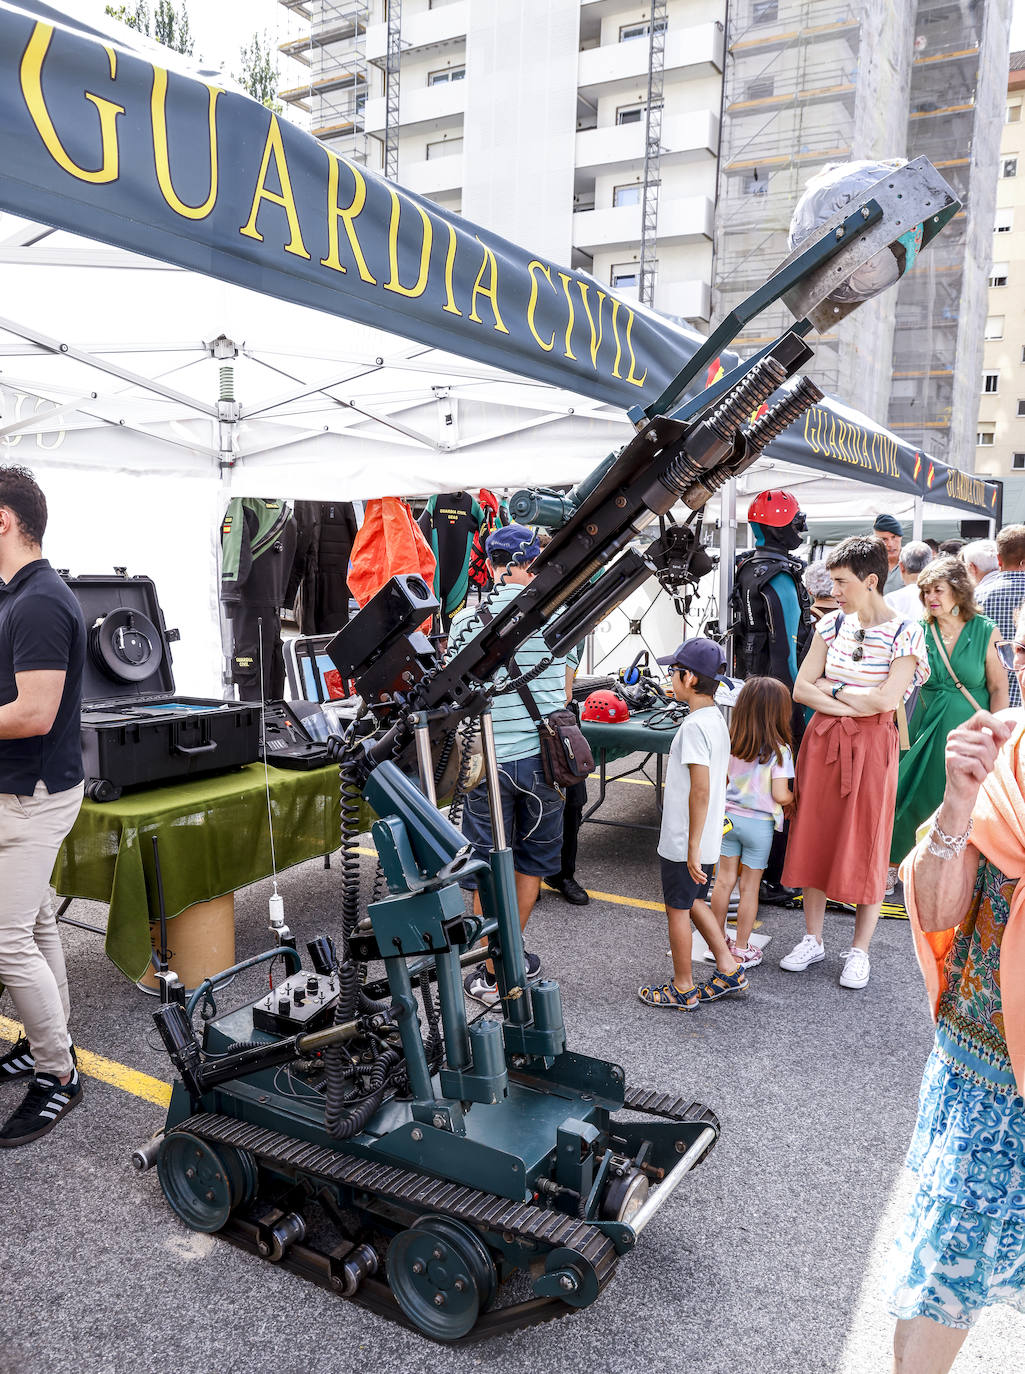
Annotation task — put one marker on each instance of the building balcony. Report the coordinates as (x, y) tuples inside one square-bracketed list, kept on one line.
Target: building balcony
[(433, 177), (440, 105), (685, 138), (686, 300), (687, 219), (431, 29), (625, 64)]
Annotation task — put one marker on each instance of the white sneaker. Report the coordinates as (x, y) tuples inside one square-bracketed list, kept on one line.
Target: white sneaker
[(809, 951), (856, 969)]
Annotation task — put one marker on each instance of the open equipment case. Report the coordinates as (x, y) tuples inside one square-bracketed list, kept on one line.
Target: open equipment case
[(136, 732)]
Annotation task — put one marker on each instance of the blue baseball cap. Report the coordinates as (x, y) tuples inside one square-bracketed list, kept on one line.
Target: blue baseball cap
[(701, 656), (519, 543)]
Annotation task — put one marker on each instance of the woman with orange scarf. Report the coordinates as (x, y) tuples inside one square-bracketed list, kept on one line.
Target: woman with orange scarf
[(962, 1247)]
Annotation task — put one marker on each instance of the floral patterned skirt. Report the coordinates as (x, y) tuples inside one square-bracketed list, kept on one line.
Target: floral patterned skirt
[(962, 1246)]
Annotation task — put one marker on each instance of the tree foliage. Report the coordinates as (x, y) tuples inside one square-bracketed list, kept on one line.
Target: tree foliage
[(166, 25), (259, 74)]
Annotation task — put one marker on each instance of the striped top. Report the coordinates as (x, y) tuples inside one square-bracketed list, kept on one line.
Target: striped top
[(515, 732), (881, 646)]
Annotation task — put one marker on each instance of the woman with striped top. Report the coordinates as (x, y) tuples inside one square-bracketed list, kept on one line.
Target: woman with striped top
[(862, 664)]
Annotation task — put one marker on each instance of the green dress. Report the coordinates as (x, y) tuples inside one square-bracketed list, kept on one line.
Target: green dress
[(921, 777)]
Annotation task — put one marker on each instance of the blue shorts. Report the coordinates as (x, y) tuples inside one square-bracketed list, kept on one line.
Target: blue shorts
[(749, 841), (531, 813)]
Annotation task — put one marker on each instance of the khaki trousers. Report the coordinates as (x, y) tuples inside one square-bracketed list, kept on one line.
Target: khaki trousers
[(31, 957)]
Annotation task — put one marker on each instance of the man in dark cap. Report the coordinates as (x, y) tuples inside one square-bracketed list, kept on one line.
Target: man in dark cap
[(532, 809), (890, 532)]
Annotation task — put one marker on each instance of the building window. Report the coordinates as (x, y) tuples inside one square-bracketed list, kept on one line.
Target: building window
[(1018, 460), (626, 274), (444, 77), (626, 195), (444, 147), (998, 274), (994, 327), (764, 11), (760, 89), (1003, 222), (984, 438), (640, 30), (630, 114), (990, 383), (1021, 408), (754, 185), (1009, 167), (1023, 353), (1013, 112)]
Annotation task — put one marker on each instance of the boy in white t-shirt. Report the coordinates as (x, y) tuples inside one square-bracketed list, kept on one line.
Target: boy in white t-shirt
[(693, 809)]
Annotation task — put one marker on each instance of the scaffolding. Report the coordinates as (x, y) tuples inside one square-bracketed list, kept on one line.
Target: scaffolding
[(335, 92), (652, 183), (391, 90)]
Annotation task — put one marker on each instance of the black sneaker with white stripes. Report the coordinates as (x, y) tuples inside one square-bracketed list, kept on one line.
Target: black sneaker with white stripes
[(18, 1064), (47, 1100)]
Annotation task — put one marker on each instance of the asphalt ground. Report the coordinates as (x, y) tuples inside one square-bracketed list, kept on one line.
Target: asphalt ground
[(769, 1258)]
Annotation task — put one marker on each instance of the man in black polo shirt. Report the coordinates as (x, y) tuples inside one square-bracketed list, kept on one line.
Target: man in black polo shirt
[(42, 651)]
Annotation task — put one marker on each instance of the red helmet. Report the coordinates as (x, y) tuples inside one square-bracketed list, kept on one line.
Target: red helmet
[(776, 508), (605, 706)]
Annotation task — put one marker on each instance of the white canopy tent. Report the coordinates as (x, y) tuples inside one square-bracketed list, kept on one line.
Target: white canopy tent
[(145, 396)]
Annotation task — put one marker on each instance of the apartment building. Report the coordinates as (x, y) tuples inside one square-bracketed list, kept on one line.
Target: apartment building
[(1000, 434), (559, 124), (811, 82)]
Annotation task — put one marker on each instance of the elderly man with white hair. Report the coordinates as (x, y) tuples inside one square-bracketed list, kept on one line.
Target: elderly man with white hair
[(980, 558), (906, 602)]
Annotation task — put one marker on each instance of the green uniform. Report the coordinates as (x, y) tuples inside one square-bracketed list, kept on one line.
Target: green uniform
[(921, 778)]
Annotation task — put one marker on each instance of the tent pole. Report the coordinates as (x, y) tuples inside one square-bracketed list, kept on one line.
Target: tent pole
[(917, 518), (727, 556)]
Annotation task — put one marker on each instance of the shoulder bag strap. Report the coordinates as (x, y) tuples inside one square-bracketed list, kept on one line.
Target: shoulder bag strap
[(946, 663), (525, 694)]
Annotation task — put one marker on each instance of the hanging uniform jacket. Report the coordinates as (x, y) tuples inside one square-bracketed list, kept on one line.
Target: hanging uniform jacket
[(326, 530), (762, 638), (450, 524), (257, 551)]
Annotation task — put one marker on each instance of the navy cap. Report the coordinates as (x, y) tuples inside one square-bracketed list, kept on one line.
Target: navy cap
[(701, 656), (889, 524), (517, 542)]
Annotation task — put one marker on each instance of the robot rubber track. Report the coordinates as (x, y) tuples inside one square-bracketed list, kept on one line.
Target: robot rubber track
[(312, 1168)]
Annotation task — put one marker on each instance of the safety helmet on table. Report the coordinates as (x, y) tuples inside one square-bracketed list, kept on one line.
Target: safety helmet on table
[(776, 508), (608, 707)]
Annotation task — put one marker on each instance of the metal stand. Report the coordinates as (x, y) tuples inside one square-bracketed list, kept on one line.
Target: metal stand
[(604, 780)]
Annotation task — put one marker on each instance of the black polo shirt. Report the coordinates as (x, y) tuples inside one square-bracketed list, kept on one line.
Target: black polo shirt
[(41, 628)]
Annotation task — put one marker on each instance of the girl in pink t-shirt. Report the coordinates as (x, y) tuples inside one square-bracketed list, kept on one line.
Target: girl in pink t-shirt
[(758, 788)]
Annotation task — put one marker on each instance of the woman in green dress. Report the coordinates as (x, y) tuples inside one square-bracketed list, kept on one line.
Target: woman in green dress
[(954, 628)]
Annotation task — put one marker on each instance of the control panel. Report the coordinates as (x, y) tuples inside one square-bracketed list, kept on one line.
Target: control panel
[(303, 1002)]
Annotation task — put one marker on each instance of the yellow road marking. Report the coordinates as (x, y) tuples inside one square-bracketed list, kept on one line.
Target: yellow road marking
[(107, 1070)]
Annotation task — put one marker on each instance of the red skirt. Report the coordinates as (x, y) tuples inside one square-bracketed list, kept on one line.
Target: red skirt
[(846, 796)]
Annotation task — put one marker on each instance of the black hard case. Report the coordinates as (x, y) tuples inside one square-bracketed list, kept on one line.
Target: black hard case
[(122, 745)]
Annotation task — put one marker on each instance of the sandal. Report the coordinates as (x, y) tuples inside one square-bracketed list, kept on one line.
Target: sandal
[(722, 985), (669, 995)]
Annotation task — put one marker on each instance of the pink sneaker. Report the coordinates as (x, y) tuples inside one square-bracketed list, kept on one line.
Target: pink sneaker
[(748, 956)]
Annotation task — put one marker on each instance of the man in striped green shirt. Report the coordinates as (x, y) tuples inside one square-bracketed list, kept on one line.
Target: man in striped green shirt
[(531, 808)]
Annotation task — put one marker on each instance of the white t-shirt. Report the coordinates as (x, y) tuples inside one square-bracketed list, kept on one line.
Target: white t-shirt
[(907, 603), (702, 738)]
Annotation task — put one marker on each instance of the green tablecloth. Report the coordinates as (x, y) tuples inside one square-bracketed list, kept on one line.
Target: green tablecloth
[(213, 838), (646, 732)]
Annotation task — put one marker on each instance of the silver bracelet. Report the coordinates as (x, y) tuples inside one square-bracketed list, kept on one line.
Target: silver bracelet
[(949, 846)]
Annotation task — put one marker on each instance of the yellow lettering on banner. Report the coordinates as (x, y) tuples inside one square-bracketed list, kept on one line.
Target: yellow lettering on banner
[(812, 420), (393, 283), (450, 262), (336, 213), (565, 278), (595, 337), (615, 330), (161, 155), (490, 291), (275, 148), (635, 381), (532, 303), (31, 78)]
